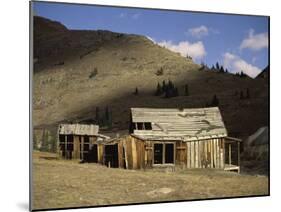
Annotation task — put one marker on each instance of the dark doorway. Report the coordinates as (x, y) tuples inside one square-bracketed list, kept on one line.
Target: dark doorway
[(93, 154), (158, 153), (169, 153), (111, 155)]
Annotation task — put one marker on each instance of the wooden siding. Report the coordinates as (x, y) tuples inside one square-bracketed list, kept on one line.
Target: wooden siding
[(205, 154), (135, 153)]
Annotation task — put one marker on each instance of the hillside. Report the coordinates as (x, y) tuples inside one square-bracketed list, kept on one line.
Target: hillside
[(77, 71), (264, 74)]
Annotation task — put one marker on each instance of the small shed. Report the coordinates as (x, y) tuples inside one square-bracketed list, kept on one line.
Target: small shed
[(189, 138), (80, 141)]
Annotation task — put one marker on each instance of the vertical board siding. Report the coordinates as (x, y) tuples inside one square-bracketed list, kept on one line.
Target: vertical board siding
[(198, 153), (221, 154), (76, 147), (188, 154), (120, 155), (192, 155), (134, 153), (129, 152)]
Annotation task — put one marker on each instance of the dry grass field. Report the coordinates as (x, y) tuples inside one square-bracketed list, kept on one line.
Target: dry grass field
[(59, 183)]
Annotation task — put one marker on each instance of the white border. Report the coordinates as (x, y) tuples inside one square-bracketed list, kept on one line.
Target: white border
[(15, 104)]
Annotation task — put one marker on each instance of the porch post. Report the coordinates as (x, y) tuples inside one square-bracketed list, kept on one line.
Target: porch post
[(229, 154)]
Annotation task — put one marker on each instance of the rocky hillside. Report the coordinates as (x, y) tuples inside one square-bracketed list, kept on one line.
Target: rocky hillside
[(77, 71)]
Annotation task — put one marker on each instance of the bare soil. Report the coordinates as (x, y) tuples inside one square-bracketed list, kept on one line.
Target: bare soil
[(59, 183)]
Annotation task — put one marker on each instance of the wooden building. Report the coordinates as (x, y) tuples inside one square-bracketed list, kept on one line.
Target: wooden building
[(80, 141), (159, 137), (187, 138)]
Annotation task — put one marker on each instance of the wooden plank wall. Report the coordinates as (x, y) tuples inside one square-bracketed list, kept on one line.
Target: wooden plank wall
[(100, 153), (120, 155), (148, 154), (181, 155), (138, 153), (76, 147), (204, 154)]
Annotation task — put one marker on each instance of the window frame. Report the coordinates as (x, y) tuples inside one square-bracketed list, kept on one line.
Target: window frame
[(164, 154)]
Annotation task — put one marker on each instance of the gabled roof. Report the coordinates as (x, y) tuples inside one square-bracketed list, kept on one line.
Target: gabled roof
[(79, 129), (179, 124)]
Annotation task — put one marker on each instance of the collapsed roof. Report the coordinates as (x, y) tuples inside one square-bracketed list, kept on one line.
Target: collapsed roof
[(179, 124)]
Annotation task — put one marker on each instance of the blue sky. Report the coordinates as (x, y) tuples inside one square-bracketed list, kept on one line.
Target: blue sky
[(237, 42)]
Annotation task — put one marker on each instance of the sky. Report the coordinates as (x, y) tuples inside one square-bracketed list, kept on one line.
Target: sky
[(236, 42)]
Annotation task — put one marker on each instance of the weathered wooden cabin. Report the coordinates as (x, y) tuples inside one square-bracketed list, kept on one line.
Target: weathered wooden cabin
[(80, 141), (159, 137), (187, 138)]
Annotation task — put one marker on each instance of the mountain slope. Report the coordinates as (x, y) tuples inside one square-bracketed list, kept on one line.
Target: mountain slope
[(77, 71)]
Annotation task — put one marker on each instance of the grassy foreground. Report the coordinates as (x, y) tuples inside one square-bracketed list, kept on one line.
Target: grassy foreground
[(60, 183)]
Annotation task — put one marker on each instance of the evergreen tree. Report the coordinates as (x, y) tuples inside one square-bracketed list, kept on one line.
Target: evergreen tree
[(164, 86), (217, 66), (136, 91), (186, 90), (221, 69), (167, 93), (158, 90), (170, 85), (242, 74)]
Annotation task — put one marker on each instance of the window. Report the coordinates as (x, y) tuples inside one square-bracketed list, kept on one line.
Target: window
[(163, 153), (142, 126), (169, 153), (147, 126), (158, 153), (139, 125)]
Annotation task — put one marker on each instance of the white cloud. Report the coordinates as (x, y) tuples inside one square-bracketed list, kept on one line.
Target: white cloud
[(255, 41), (150, 38), (199, 32), (235, 64), (195, 50)]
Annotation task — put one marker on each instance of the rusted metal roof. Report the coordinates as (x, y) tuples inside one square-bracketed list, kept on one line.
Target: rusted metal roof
[(179, 124), (79, 129)]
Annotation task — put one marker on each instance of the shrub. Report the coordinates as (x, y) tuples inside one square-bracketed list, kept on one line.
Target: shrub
[(158, 90), (93, 73), (136, 91), (160, 72)]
